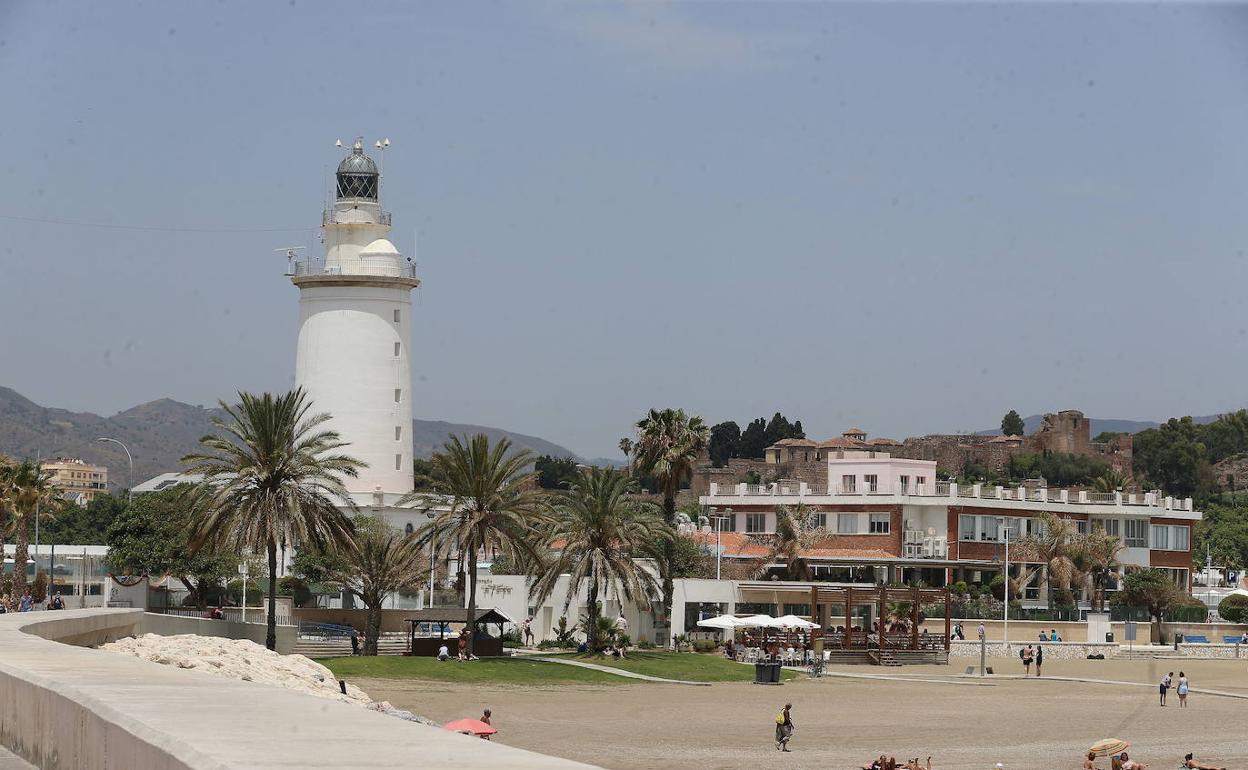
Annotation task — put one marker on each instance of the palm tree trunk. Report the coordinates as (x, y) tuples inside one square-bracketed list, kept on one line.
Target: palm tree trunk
[(270, 635), (372, 628), (21, 540), (669, 555), (472, 599), (591, 611)]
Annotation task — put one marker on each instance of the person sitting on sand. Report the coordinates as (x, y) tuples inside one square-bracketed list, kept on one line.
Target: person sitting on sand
[(1089, 762), (1131, 764), (913, 764), (876, 764), (1191, 763)]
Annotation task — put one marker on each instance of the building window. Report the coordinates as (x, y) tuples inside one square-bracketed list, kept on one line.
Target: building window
[(396, 316), (755, 522), (1180, 537), (1169, 538), (920, 482), (881, 523), (847, 523), (849, 483), (398, 462), (966, 528), (872, 482), (905, 485), (1081, 526), (1136, 533), (1110, 526), (397, 346), (398, 433), (731, 524), (988, 528), (819, 520), (398, 395)]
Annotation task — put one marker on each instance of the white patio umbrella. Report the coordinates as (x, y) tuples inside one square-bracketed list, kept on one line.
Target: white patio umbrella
[(758, 621), (793, 621), (722, 622)]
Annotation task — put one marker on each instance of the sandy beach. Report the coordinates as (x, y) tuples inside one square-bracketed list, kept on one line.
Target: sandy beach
[(841, 722)]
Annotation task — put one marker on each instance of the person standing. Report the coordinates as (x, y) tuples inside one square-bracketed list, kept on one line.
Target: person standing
[(527, 627), (355, 643), (1039, 659), (1028, 655), (1183, 688), (1164, 687), (784, 727), (27, 604)]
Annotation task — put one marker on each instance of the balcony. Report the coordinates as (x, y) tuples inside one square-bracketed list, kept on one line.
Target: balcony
[(316, 267), (953, 492)]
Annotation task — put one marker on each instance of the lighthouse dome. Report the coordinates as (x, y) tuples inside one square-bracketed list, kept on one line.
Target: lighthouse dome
[(357, 175), (379, 248)]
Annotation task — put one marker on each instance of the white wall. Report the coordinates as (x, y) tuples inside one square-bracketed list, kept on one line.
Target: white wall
[(888, 469), (345, 361)]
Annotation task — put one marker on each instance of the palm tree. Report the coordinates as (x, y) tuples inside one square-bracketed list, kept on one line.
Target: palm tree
[(383, 561), (487, 501), (1096, 555), (597, 529), (272, 477), (27, 490), (796, 531), (1051, 547), (1110, 481), (626, 446), (668, 444)]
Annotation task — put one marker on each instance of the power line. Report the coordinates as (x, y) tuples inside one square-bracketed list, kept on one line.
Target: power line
[(156, 229)]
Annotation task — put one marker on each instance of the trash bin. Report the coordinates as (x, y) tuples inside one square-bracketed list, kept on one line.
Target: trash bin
[(1109, 636), (775, 673), (762, 673)]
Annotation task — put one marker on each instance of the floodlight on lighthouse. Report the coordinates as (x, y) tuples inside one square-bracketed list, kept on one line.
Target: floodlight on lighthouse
[(338, 143), (385, 142), (377, 144), (291, 253)]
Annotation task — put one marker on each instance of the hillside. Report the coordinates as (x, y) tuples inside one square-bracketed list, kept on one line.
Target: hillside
[(160, 432)]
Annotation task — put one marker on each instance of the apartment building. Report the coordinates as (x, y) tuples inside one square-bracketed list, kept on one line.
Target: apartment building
[(80, 480)]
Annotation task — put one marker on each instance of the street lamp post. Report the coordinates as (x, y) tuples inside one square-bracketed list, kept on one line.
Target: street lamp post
[(433, 549), (130, 473), (1005, 530), (243, 570)]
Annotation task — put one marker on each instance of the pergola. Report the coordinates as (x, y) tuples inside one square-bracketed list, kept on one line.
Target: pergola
[(483, 644), (824, 598)]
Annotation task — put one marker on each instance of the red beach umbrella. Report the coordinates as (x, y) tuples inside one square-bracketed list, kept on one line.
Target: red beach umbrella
[(469, 726)]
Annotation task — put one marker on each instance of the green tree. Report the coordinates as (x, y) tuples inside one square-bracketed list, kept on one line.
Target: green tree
[(1012, 424), (1108, 436), (1153, 589), (1172, 456), (598, 528), (753, 444), (1234, 608), (422, 474), (26, 492), (78, 525), (725, 443), (668, 444), (1096, 555), (272, 477), (487, 505), (382, 562), (1051, 546), (556, 472), (152, 537), (1222, 534)]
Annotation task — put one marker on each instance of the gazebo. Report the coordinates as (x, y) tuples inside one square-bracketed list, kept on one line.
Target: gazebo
[(484, 645)]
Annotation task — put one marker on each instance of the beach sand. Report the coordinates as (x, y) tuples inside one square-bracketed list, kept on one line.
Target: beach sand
[(843, 722)]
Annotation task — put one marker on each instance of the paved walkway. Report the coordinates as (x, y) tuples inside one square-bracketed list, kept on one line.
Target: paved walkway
[(616, 671), (1195, 691), (13, 762)]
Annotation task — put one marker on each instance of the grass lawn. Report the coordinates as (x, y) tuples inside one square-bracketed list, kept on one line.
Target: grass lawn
[(682, 666), (493, 670)]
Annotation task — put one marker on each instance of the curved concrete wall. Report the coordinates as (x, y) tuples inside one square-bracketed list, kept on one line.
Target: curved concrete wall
[(65, 706)]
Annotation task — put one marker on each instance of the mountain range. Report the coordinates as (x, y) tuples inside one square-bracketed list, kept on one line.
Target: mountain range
[(160, 432)]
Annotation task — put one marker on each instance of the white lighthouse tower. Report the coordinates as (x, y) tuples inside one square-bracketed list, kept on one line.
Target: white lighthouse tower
[(354, 356)]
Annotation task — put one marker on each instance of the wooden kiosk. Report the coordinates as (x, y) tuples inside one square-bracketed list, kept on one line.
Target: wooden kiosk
[(484, 645), (850, 643)]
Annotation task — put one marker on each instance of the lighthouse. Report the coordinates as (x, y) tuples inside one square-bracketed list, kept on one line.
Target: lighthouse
[(354, 352)]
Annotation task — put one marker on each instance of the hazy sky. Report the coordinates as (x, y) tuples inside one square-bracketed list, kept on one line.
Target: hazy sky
[(908, 218)]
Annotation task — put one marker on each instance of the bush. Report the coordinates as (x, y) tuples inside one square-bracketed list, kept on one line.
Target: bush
[(1234, 608), (645, 644), (512, 638), (556, 644), (704, 645)]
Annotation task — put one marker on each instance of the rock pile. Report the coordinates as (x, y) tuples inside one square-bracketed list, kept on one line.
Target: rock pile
[(250, 662)]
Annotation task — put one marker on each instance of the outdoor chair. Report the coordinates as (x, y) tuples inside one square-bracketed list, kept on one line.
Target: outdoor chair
[(1196, 639)]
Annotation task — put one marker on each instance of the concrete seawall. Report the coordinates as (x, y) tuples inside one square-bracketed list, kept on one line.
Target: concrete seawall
[(67, 707)]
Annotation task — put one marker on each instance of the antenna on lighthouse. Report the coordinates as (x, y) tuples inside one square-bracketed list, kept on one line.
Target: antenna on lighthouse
[(291, 253)]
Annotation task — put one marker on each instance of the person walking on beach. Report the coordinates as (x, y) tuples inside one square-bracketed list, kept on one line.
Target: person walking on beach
[(1165, 686), (784, 727), (1183, 688), (1039, 659), (1027, 655)]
